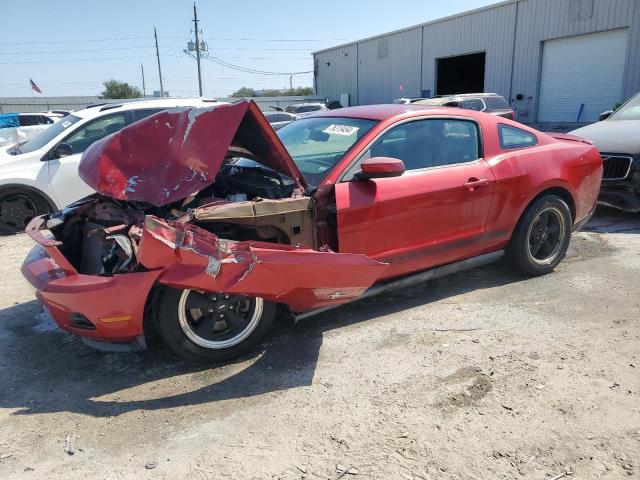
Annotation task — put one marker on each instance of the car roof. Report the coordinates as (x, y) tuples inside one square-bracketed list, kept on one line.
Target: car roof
[(102, 108), (306, 104), (468, 95)]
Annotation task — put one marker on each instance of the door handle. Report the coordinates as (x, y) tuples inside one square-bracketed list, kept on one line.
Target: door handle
[(474, 183)]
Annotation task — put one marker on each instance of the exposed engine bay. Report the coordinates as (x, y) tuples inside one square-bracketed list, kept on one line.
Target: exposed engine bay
[(100, 235)]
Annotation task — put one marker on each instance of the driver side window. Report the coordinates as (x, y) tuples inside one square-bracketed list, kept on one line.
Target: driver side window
[(93, 131), (429, 143)]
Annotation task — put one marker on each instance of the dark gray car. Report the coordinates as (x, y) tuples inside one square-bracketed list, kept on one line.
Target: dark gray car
[(617, 137)]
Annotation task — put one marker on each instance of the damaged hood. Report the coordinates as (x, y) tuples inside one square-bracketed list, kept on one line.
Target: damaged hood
[(178, 152)]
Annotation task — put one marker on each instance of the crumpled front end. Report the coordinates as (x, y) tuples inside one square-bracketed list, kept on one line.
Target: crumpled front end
[(101, 307), (199, 199), (97, 265)]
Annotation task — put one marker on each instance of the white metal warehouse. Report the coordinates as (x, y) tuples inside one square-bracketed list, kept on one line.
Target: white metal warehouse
[(556, 61)]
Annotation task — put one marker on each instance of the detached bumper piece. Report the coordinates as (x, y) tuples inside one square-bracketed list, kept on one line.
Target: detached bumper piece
[(102, 308), (301, 278)]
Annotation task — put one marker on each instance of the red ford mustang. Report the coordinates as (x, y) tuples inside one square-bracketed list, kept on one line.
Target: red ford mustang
[(205, 220)]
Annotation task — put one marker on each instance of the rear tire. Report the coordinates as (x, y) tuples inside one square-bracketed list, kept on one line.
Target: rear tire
[(211, 327), (18, 207), (541, 238)]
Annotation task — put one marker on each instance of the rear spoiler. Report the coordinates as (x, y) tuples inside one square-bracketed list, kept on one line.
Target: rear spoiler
[(571, 138)]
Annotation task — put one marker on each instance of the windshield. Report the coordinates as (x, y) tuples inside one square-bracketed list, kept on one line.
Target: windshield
[(628, 111), (44, 137), (317, 144)]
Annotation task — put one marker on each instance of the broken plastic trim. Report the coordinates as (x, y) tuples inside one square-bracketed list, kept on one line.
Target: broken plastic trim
[(416, 278), (193, 258)]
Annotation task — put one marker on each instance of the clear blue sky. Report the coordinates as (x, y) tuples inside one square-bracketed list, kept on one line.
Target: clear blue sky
[(70, 47)]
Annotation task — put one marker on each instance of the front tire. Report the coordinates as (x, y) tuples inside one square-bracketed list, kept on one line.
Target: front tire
[(211, 327), (17, 208), (541, 238)]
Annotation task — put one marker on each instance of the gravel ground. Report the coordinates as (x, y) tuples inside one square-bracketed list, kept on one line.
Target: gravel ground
[(480, 375)]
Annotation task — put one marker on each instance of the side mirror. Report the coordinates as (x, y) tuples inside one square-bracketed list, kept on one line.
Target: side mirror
[(605, 115), (380, 167), (61, 150)]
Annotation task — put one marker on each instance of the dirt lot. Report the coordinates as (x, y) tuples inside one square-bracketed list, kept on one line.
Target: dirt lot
[(482, 375)]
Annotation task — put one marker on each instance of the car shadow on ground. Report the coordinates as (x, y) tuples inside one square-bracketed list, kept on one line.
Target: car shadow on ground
[(612, 220), (43, 370)]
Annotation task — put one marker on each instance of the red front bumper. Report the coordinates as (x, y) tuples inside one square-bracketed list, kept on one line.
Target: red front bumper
[(113, 304)]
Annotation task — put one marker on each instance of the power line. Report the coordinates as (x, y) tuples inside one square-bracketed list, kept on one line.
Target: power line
[(77, 41), (181, 37), (218, 39), (266, 49), (77, 61), (80, 51), (251, 70)]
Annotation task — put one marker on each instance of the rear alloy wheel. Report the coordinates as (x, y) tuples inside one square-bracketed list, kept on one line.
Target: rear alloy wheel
[(542, 236), (546, 235), (17, 209), (205, 326)]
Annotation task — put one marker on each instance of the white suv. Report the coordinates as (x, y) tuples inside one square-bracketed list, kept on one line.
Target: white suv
[(41, 174)]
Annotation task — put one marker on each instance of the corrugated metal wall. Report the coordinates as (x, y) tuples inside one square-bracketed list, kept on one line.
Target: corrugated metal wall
[(337, 72), (387, 63), (510, 33), (540, 20), (489, 31)]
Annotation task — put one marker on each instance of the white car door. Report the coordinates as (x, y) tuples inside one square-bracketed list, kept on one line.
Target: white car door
[(65, 183)]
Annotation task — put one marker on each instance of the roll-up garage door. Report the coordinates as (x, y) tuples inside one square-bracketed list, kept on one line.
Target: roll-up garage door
[(587, 69)]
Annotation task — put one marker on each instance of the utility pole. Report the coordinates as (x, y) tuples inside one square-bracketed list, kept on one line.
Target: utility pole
[(155, 34), (144, 88), (290, 84), (195, 21)]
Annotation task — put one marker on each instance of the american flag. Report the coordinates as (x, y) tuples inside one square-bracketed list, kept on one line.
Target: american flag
[(35, 87)]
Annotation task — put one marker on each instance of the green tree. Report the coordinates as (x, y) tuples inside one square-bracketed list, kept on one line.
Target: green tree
[(250, 92), (115, 89), (300, 91), (244, 92)]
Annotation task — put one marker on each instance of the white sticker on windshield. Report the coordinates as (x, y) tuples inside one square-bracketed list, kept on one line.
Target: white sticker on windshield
[(66, 123), (341, 129)]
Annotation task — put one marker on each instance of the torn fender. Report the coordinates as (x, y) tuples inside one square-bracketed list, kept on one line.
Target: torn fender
[(302, 278), (178, 152)]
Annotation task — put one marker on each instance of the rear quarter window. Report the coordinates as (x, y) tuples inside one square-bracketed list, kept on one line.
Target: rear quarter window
[(473, 104), (28, 120), (496, 103), (513, 137), (145, 112)]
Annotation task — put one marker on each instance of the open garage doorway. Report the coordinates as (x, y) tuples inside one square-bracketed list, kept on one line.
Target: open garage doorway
[(460, 74)]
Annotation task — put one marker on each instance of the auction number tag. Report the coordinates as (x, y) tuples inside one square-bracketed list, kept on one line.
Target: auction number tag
[(66, 123), (345, 130)]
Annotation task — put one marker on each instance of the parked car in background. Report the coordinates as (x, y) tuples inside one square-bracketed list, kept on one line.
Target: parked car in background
[(205, 222), (407, 100), (40, 118), (61, 113), (305, 109), (279, 119), (617, 137), (482, 102), (18, 127), (41, 174)]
